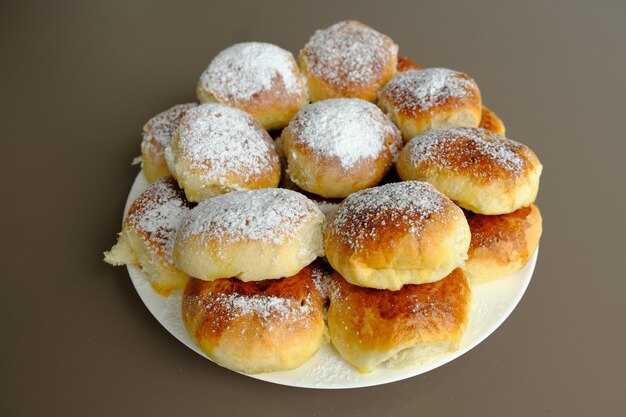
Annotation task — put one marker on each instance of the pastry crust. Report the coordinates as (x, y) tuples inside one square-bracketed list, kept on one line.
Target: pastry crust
[(157, 135), (490, 121), (397, 328), (217, 149), (433, 98), (148, 232), (348, 59), (335, 147), (259, 78), (478, 169), (405, 64), (502, 244), (396, 234), (253, 327), (251, 235)]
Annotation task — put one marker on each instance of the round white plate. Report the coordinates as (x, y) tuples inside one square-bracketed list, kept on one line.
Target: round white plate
[(492, 304)]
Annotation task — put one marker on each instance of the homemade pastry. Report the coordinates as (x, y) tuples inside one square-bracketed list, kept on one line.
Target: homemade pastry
[(252, 327), (217, 149), (372, 327), (432, 98), (147, 235), (338, 146), (259, 78), (157, 135), (348, 59), (395, 234), (502, 244), (383, 258), (251, 235), (490, 121), (478, 169), (405, 64)]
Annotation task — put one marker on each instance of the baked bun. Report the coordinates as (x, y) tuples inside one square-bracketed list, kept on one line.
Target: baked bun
[(348, 59), (251, 235), (148, 232), (372, 327), (405, 64), (338, 146), (157, 135), (478, 169), (502, 244), (432, 98), (395, 234), (490, 121), (259, 78), (252, 327), (217, 149)]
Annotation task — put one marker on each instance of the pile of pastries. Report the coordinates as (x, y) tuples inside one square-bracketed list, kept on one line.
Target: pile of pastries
[(349, 196)]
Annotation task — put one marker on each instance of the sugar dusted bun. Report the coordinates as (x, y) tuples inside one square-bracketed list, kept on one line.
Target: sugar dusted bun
[(348, 59), (490, 121), (502, 244), (432, 98), (259, 78), (372, 327), (396, 234), (405, 64), (252, 327), (251, 235), (148, 232), (217, 149), (481, 171), (157, 135), (338, 146)]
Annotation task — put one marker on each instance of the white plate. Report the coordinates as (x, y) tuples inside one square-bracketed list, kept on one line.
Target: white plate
[(492, 304)]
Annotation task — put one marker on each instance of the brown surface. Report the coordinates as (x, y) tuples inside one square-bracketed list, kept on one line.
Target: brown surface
[(490, 121), (274, 339), (370, 320), (405, 64), (329, 77), (78, 83)]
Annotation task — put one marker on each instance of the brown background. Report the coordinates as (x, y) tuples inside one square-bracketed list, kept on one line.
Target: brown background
[(78, 81)]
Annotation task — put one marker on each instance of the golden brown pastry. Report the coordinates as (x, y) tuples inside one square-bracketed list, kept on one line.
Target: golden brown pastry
[(253, 327), (432, 98), (395, 234), (372, 327), (338, 146), (148, 232), (217, 149), (480, 170), (490, 121), (251, 235), (157, 135), (348, 59), (259, 78), (501, 244), (405, 64)]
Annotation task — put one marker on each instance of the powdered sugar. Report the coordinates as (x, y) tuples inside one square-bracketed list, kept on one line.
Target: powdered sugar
[(330, 370), (161, 127), (406, 205), (423, 89), (321, 278), (348, 53), (157, 214), (267, 215), (453, 149), (245, 69), (217, 140), (348, 130), (261, 306)]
